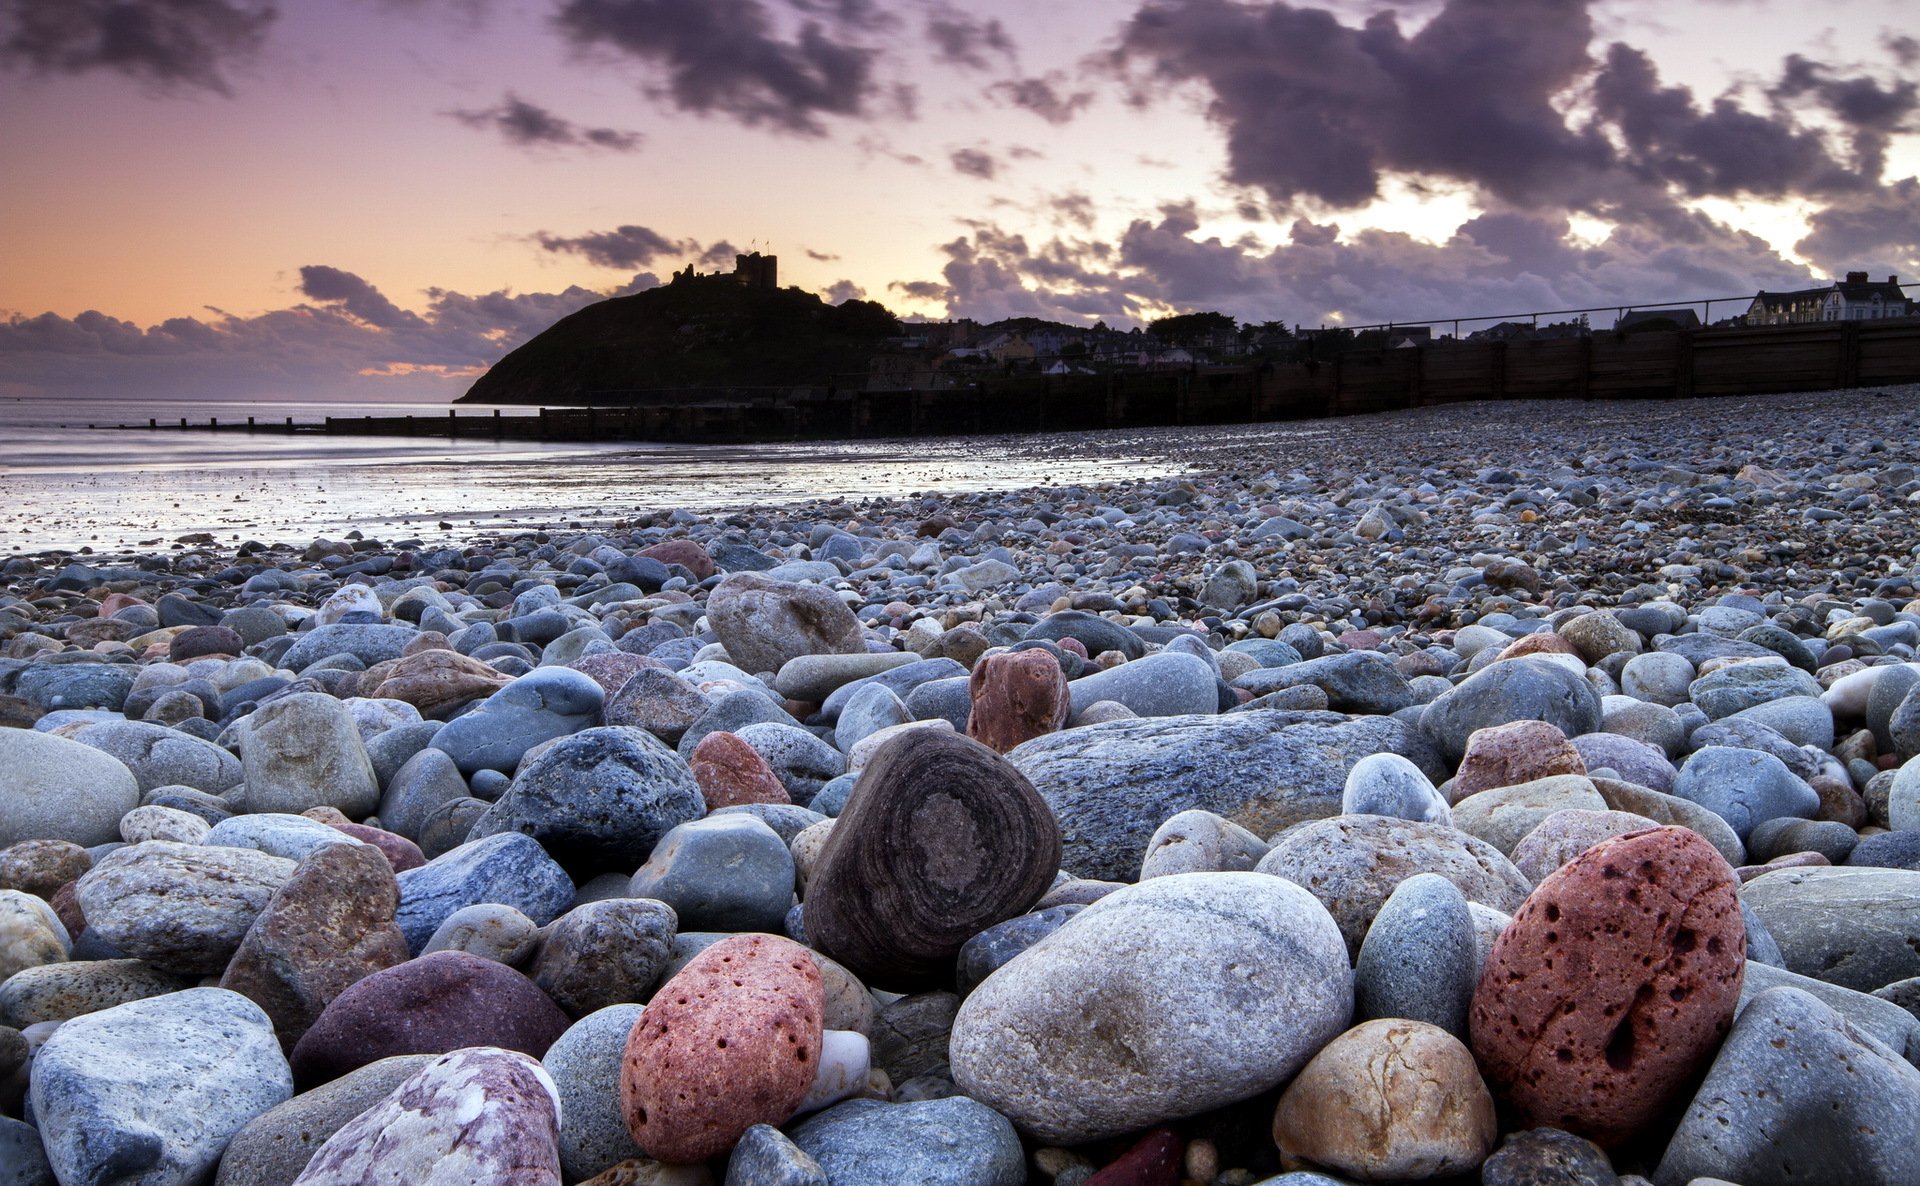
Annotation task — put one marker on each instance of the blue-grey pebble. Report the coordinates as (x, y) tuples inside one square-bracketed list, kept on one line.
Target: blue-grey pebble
[(832, 799), (585, 1065), (947, 1142), (731, 713), (544, 704), (1166, 684), (511, 869), (787, 819), (801, 761), (1511, 690), (874, 708), (1388, 784), (1744, 787), (991, 949), (721, 873), (765, 1157), (949, 700), (1418, 959), (420, 786), (368, 642)]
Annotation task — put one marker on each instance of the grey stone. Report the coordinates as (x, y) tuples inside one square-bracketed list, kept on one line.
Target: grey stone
[(1743, 685), (1650, 724), (1671, 809), (1564, 835), (1110, 784), (802, 762), (1069, 1040), (368, 642), (276, 1145), (1779, 837), (1360, 681), (788, 819), (1796, 1091), (585, 1065), (658, 701), (1858, 928), (303, 751), (1231, 586), (1201, 842), (159, 756), (392, 750), (180, 907), (1634, 761), (52, 788), (1507, 691), (765, 1157), (599, 800), (294, 837), (1418, 960), (1744, 787), (1802, 720), (991, 949), (58, 991), (604, 953), (1095, 633), (51, 687), (488, 930), (902, 681), (510, 869), (1903, 798), (948, 1142), (873, 708), (152, 1091), (722, 873), (1167, 684), (950, 700), (731, 713), (1880, 1019), (814, 677), (428, 780), (546, 703), (23, 1159), (764, 623), (1890, 689), (1388, 784)]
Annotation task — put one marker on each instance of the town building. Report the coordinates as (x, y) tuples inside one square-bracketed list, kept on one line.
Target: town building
[(1854, 299)]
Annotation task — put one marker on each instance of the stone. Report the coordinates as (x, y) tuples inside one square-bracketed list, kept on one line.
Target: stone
[(1744, 787), (765, 623), (470, 1116), (52, 688), (1391, 1100), (546, 703), (730, 772), (57, 789), (153, 822), (294, 837), (991, 949), (1093, 632), (401, 853), (1153, 1160), (684, 552), (426, 781), (731, 1041), (303, 751), (1016, 697), (1200, 842), (1855, 927), (1527, 689), (598, 801), (161, 757), (152, 1090), (1110, 785), (180, 907), (437, 682), (813, 677), (1166, 684), (276, 1145), (488, 930), (1548, 1157), (329, 925), (1510, 754), (23, 1159), (604, 953), (1873, 1015), (722, 873), (1795, 1090), (1504, 815), (1388, 784), (1671, 809), (1357, 682), (584, 1064), (1418, 960), (60, 991), (31, 934), (660, 702), (801, 761), (1634, 761), (370, 643), (765, 1157), (42, 866), (1564, 835), (510, 869), (943, 1142), (447, 826), (1598, 634), (1162, 1000), (872, 708), (1903, 798), (1739, 686), (428, 1005), (1353, 863), (911, 1035), (1613, 985), (941, 838)]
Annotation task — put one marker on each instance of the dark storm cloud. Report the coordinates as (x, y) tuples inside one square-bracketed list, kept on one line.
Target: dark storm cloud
[(1871, 112), (960, 39), (1879, 230), (1904, 47), (173, 44), (974, 163), (623, 247), (528, 125), (731, 58), (351, 341), (1043, 96)]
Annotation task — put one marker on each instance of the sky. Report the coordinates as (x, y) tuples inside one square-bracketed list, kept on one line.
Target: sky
[(365, 199)]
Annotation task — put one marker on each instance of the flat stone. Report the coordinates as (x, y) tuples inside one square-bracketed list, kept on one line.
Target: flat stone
[(1564, 835), (1504, 815), (1357, 682), (278, 834), (153, 1090), (1858, 928), (58, 789), (368, 642), (180, 907), (941, 839), (1070, 1041), (660, 702), (813, 677), (488, 930), (1742, 685)]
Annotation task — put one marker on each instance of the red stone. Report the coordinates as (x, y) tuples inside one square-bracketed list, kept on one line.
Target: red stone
[(1508, 755), (730, 772), (1017, 697), (731, 1041), (1544, 642), (1073, 644), (1154, 1160), (66, 905), (1613, 986), (113, 603), (610, 671), (683, 552), (401, 853)]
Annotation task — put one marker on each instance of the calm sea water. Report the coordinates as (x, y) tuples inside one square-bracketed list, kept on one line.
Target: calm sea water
[(65, 485)]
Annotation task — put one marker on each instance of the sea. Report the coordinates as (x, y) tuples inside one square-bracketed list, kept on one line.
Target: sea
[(71, 481)]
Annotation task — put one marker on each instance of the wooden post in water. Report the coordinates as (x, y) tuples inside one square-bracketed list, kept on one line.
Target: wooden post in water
[(249, 424), (213, 422), (499, 429), (453, 430), (152, 423), (289, 426)]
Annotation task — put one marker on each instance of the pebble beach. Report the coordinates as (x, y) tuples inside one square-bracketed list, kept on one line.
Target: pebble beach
[(1515, 793)]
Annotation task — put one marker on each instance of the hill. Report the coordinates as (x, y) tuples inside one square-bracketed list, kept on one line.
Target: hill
[(698, 331)]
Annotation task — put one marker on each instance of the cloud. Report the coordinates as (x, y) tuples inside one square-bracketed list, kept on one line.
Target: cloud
[(961, 39), (350, 342), (825, 257), (1042, 96), (732, 58), (623, 247), (528, 125), (842, 291), (1076, 208), (170, 44), (1878, 230), (973, 162)]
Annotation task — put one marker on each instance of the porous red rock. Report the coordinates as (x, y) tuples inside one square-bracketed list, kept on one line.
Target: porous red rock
[(327, 927), (1614, 984), (731, 772), (940, 839), (1017, 697), (683, 552), (1510, 754), (439, 1002), (732, 1041)]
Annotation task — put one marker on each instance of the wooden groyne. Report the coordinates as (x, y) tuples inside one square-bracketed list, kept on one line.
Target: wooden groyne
[(1601, 366)]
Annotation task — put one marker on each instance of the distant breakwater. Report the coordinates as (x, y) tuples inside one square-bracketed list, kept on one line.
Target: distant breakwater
[(1603, 366)]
